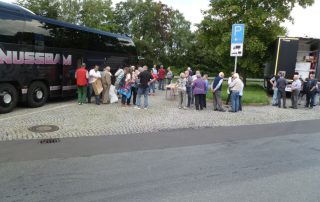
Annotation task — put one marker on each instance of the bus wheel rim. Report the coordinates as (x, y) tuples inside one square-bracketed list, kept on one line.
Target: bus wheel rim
[(7, 98), (39, 94)]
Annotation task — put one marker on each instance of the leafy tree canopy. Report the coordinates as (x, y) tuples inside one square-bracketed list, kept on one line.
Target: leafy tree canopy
[(91, 13), (161, 34)]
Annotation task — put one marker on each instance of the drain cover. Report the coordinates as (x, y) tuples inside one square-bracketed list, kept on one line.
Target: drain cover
[(49, 141), (43, 128)]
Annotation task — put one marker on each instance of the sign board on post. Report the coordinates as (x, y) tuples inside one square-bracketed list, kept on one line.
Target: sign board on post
[(237, 39)]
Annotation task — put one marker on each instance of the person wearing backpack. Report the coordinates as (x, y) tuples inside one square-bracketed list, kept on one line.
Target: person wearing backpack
[(119, 77), (125, 87)]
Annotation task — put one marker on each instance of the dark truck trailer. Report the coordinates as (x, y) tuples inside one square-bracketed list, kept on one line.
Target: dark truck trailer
[(39, 56), (293, 56)]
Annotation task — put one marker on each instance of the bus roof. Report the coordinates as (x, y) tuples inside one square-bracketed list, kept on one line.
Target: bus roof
[(30, 14), (15, 7)]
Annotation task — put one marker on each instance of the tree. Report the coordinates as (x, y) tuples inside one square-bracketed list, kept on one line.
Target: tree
[(97, 14), (69, 11), (91, 13), (46, 8), (161, 34), (263, 24)]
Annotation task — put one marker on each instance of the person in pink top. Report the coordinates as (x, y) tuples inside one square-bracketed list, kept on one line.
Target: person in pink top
[(152, 86)]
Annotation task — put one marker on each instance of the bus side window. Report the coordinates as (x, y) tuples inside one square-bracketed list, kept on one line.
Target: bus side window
[(34, 33), (109, 43), (11, 32), (70, 38), (39, 42), (85, 40), (51, 35)]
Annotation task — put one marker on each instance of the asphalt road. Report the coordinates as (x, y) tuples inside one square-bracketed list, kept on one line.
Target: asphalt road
[(275, 162)]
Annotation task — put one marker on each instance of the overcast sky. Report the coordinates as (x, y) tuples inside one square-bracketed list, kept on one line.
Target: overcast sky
[(305, 19)]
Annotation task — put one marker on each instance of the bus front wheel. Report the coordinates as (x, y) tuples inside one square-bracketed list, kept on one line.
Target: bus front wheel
[(37, 94), (8, 98)]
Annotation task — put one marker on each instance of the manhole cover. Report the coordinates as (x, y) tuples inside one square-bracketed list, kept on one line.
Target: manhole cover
[(49, 141), (43, 128)]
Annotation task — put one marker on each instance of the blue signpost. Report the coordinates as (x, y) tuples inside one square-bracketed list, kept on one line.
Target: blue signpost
[(237, 39)]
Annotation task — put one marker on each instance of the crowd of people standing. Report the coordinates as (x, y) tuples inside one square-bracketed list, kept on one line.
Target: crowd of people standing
[(196, 87), (132, 83), (129, 83), (306, 90), (192, 88)]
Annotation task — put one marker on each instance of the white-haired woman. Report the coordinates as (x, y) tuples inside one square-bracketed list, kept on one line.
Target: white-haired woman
[(181, 88), (199, 89)]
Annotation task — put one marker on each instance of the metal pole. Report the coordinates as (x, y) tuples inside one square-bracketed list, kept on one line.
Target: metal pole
[(235, 65)]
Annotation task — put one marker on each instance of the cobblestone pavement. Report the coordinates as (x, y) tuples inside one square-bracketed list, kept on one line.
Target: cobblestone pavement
[(76, 120)]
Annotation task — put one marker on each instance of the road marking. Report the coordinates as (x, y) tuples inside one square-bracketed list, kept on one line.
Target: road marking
[(45, 110)]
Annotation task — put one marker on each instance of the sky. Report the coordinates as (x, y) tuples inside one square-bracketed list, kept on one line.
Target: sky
[(305, 20)]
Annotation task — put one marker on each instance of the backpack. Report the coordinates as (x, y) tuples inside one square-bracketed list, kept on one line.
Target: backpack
[(122, 82)]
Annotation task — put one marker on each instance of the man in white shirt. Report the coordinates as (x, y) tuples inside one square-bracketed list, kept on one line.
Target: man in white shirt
[(295, 90), (94, 74)]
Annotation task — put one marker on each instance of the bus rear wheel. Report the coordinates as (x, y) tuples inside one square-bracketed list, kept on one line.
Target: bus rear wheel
[(37, 94), (8, 98)]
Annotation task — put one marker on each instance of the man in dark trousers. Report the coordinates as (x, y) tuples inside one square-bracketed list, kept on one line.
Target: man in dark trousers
[(281, 85), (216, 88), (82, 82), (145, 78), (311, 91)]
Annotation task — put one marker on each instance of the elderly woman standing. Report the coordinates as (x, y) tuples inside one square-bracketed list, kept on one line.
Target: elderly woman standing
[(199, 90), (169, 76), (181, 87), (106, 84)]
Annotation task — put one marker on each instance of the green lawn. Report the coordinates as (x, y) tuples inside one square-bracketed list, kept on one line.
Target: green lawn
[(252, 94)]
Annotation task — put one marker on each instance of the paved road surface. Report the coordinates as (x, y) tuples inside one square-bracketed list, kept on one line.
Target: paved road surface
[(278, 162)]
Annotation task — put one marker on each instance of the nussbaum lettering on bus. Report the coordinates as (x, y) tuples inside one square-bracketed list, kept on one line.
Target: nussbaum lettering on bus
[(21, 57)]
